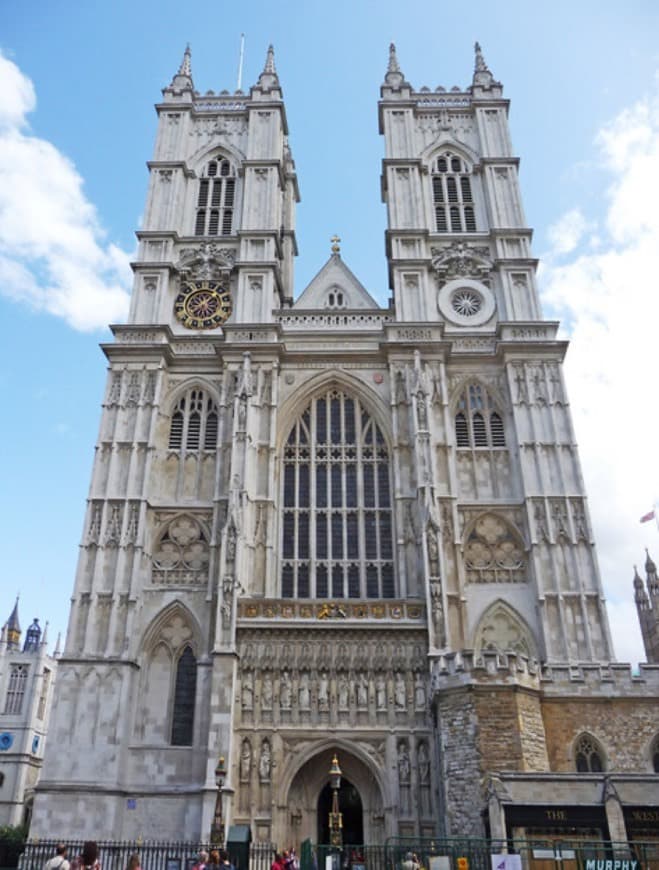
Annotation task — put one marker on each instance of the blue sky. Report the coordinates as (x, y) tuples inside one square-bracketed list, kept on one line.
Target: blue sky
[(582, 80)]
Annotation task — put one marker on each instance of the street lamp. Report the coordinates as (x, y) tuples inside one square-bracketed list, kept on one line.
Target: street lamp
[(217, 828), (335, 817)]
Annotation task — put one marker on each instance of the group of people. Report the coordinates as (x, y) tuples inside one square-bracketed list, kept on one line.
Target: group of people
[(86, 860), (286, 860), (216, 858)]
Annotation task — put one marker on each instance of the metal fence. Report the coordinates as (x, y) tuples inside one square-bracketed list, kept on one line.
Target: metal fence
[(114, 855), (474, 854)]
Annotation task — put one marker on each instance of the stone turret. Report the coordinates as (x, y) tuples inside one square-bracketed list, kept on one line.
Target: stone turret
[(647, 606)]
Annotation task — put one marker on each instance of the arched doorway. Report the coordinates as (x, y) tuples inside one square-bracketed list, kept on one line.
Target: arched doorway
[(350, 806)]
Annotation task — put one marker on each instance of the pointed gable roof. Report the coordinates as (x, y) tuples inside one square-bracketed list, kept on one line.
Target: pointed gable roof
[(335, 277)]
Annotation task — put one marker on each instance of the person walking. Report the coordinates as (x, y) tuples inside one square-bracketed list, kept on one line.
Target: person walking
[(134, 862), (88, 858), (59, 861)]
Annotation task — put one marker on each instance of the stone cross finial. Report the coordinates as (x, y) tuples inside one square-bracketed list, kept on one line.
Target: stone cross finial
[(336, 247)]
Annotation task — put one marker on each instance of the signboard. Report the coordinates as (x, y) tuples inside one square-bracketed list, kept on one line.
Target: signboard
[(506, 862)]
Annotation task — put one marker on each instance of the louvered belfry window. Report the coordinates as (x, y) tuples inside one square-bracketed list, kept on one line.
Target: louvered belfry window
[(337, 538), (452, 196), (194, 423), (477, 422), (216, 199)]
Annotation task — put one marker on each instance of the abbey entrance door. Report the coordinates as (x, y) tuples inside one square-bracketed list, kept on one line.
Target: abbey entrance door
[(350, 806)]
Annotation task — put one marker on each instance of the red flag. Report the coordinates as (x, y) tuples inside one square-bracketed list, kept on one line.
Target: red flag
[(647, 517)]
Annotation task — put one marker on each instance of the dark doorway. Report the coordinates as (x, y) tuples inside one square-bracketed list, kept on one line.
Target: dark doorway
[(350, 805)]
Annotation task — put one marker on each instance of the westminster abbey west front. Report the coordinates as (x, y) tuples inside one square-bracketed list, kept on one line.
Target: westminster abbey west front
[(320, 526)]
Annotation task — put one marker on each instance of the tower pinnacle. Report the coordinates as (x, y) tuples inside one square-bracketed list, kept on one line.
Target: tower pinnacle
[(483, 77), (186, 67), (479, 61), (269, 78), (13, 627), (393, 66), (270, 61), (394, 77)]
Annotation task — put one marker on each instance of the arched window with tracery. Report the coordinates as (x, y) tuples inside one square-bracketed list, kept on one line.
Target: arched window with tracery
[(478, 422), (216, 199), (337, 539), (588, 755), (185, 689), (452, 194), (194, 423)]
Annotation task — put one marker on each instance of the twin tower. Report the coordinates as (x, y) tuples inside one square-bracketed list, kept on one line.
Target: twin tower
[(319, 526)]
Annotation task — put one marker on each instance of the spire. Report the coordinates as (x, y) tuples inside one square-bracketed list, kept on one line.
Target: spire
[(268, 78), (182, 81), (483, 77), (393, 59), (58, 643), (270, 61), (640, 597), (651, 575), (186, 67), (32, 637), (394, 77), (13, 627), (479, 63)]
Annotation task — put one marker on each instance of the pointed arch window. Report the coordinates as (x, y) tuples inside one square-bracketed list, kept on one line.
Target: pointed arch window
[(453, 200), (16, 689), (588, 755), (478, 423), (185, 690), (216, 199), (337, 537), (194, 423), (654, 755)]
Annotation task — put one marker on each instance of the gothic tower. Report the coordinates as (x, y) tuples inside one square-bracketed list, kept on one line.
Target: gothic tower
[(320, 526)]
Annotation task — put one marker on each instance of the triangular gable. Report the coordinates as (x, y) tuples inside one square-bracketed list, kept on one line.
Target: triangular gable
[(335, 287)]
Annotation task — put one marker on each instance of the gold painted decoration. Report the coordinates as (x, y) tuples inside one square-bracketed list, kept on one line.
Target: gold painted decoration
[(203, 304)]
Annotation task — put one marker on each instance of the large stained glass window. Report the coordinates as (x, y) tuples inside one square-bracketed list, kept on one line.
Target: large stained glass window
[(337, 536)]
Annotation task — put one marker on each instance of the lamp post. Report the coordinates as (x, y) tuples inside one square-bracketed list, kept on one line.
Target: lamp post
[(335, 817), (217, 828)]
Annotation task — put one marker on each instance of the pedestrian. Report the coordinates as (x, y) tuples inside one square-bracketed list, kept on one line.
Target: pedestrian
[(88, 858), (214, 860), (278, 863), (59, 861), (134, 862), (202, 862), (225, 861)]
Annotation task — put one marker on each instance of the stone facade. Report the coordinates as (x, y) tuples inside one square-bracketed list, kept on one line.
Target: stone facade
[(322, 526)]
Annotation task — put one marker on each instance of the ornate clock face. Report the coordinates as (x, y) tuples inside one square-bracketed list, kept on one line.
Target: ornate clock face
[(203, 304)]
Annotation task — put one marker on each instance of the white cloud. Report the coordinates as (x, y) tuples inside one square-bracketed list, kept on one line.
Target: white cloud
[(607, 295), (53, 254), (567, 232)]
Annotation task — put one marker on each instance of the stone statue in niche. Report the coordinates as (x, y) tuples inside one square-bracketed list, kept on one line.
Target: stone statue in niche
[(323, 691), (245, 760), (520, 382), (403, 763), (419, 693), (433, 551), (285, 691), (423, 763), (266, 691), (247, 693), (362, 691), (242, 413), (304, 695), (400, 693), (344, 691), (265, 761), (381, 693), (400, 391), (437, 611)]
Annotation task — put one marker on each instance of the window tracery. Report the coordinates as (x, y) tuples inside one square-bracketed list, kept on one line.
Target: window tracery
[(16, 689), (182, 554), (216, 199), (478, 423), (452, 195), (493, 554), (588, 755), (337, 521), (194, 423)]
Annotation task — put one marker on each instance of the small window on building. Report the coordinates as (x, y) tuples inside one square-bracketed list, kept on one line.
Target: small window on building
[(16, 689), (588, 755), (194, 423), (477, 423), (654, 754), (452, 195), (216, 199)]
